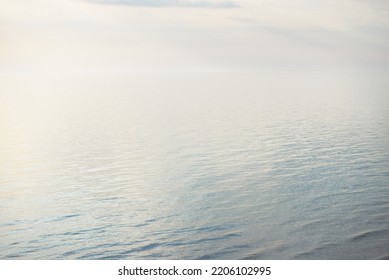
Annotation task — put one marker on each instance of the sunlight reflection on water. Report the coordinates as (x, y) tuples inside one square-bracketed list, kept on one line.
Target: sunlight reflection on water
[(207, 167)]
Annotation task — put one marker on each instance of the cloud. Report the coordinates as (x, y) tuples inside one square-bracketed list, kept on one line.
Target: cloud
[(170, 3)]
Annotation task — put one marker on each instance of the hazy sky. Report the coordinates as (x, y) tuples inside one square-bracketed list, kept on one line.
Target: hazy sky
[(204, 35)]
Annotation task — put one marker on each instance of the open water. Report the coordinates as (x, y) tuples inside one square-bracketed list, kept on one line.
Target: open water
[(194, 166)]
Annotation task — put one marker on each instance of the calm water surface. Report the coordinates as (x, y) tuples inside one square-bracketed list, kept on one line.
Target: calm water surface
[(194, 167)]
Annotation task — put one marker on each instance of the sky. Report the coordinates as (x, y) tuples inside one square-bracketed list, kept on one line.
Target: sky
[(188, 35)]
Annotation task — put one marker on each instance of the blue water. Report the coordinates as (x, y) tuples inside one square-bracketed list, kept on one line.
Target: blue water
[(217, 166)]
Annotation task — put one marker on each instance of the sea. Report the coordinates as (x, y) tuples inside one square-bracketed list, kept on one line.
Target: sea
[(258, 165)]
